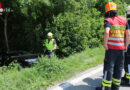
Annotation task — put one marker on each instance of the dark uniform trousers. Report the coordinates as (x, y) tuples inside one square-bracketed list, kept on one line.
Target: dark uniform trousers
[(127, 66), (50, 53), (113, 66)]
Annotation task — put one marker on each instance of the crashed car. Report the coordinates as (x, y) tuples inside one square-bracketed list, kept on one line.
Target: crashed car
[(25, 59)]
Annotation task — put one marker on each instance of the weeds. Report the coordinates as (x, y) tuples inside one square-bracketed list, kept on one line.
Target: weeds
[(49, 71)]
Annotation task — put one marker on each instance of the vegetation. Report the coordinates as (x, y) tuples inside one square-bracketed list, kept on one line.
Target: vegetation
[(76, 24), (49, 71)]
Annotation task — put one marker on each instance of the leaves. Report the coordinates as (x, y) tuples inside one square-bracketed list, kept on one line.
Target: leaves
[(76, 24)]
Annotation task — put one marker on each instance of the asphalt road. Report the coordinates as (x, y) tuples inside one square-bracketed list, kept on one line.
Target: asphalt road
[(80, 82)]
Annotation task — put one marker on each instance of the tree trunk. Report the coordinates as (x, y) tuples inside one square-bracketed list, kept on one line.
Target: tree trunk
[(5, 32)]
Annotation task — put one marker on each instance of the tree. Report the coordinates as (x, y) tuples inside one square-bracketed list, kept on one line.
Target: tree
[(4, 18)]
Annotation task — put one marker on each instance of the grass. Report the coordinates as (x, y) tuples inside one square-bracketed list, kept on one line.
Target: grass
[(50, 71)]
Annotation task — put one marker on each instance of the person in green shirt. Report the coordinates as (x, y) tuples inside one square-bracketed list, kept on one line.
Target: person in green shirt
[(50, 45)]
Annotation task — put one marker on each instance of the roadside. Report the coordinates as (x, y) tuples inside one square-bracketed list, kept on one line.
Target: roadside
[(79, 63), (49, 72), (88, 80), (79, 79)]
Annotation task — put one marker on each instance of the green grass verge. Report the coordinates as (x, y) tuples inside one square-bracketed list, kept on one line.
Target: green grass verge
[(50, 71)]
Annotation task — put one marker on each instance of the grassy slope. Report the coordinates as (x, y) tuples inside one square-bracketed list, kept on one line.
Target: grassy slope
[(49, 72)]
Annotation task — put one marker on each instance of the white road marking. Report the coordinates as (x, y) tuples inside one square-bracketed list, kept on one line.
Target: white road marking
[(77, 79)]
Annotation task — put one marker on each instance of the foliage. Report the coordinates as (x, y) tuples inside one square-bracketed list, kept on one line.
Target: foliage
[(74, 31), (76, 24), (49, 71)]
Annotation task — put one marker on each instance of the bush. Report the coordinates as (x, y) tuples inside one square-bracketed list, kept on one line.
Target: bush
[(76, 24), (76, 30), (49, 68)]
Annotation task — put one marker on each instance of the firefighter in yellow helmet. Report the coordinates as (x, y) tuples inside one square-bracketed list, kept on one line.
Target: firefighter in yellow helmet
[(50, 45), (126, 78), (116, 41)]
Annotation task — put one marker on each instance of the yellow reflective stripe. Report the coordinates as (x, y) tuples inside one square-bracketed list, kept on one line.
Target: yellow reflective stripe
[(127, 75), (117, 35), (106, 81), (106, 85), (117, 31), (118, 27), (128, 18), (116, 81)]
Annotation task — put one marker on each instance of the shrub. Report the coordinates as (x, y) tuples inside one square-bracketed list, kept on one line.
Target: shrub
[(76, 30)]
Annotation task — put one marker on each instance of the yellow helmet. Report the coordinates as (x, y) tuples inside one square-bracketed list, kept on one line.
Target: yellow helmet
[(110, 6), (50, 34)]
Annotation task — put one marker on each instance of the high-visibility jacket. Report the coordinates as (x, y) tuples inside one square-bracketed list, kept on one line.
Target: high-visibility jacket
[(117, 32), (49, 44)]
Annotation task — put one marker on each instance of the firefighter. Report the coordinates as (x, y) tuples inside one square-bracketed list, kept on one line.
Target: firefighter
[(116, 41), (50, 45), (126, 78)]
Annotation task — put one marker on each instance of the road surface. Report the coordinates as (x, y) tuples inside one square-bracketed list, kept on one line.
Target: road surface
[(87, 80)]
